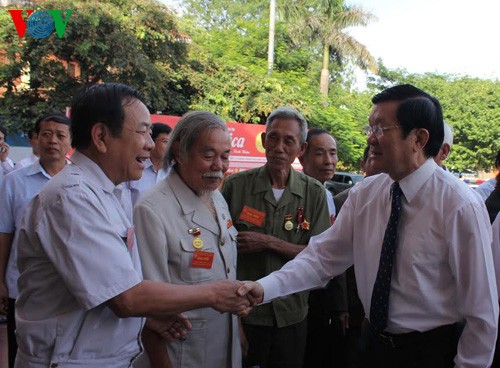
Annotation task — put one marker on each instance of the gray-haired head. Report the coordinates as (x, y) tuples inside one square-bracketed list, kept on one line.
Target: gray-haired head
[(287, 112), (188, 128), (448, 134)]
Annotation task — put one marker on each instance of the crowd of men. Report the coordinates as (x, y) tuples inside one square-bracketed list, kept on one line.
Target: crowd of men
[(128, 254)]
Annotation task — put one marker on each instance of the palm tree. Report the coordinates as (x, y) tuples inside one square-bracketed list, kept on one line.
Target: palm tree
[(326, 21)]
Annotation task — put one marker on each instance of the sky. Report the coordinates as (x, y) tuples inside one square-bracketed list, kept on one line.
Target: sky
[(437, 36)]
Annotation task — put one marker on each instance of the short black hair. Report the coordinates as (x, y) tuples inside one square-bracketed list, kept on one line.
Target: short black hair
[(158, 128), (57, 117), (99, 103), (417, 109), (314, 132), (4, 131)]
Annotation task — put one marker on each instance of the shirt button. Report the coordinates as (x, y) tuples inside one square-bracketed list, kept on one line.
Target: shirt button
[(228, 270), (222, 241), (54, 365)]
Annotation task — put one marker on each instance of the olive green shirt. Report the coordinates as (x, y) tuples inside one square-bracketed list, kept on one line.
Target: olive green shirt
[(252, 188)]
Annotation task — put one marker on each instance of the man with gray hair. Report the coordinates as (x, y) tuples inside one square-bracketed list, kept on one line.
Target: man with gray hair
[(276, 211), (445, 149), (186, 236)]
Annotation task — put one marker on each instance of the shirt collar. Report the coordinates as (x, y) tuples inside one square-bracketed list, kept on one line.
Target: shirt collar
[(263, 182), (411, 184), (93, 171)]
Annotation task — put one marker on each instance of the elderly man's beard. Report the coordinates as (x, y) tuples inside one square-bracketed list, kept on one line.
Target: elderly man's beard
[(206, 195)]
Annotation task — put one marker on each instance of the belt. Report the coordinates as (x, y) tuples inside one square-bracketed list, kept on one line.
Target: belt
[(416, 337)]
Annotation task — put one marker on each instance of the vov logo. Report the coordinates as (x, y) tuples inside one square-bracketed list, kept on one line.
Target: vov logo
[(40, 24)]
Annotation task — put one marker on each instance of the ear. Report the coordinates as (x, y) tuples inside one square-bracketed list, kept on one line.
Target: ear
[(177, 153), (421, 138), (263, 138), (99, 134), (303, 147), (445, 151)]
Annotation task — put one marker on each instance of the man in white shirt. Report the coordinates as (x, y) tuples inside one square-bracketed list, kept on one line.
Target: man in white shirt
[(485, 189), (154, 170), (80, 283), (35, 154), (442, 271), (6, 164), (445, 149), (16, 190)]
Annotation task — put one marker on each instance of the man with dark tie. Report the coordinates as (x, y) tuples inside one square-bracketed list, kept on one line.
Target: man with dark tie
[(420, 241)]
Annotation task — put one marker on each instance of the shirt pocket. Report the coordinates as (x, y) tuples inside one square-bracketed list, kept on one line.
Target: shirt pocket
[(191, 274)]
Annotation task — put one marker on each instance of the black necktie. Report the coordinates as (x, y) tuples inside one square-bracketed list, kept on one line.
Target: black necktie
[(379, 307)]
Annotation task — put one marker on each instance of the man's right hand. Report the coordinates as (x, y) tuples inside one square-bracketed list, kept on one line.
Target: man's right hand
[(227, 298), (253, 291)]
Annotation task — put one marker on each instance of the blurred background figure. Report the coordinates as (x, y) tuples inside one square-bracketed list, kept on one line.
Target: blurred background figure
[(154, 171), (33, 139), (6, 164), (487, 187), (445, 149)]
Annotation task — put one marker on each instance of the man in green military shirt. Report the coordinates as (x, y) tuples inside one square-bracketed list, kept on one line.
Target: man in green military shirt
[(276, 210)]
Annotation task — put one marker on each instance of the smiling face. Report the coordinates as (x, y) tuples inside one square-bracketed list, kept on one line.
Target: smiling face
[(126, 154), (54, 141), (206, 162), (282, 143), (320, 159)]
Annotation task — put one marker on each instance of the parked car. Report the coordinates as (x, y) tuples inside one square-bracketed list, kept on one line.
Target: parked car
[(341, 181)]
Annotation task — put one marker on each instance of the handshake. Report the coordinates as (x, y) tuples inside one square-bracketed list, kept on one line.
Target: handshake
[(237, 297)]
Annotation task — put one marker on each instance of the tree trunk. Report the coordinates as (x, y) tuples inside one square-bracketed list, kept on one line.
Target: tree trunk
[(270, 51), (325, 73)]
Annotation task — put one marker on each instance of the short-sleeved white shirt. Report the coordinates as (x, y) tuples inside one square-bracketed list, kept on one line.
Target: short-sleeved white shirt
[(16, 190), (150, 177), (75, 255)]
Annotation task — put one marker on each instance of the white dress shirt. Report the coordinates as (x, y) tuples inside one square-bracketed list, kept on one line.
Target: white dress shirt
[(16, 190), (443, 271), (77, 252), (486, 188), (331, 204), (6, 166), (31, 159), (149, 178)]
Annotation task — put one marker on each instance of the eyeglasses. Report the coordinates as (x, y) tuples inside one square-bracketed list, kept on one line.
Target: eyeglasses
[(379, 131)]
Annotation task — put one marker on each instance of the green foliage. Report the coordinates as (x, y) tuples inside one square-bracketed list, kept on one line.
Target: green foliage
[(224, 70), (133, 42), (470, 105)]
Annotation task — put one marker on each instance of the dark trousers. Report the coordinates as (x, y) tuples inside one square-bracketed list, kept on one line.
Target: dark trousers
[(273, 347), (326, 345), (11, 333), (431, 349)]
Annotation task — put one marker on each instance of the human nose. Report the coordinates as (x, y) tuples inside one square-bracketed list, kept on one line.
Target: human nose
[(150, 143), (217, 164)]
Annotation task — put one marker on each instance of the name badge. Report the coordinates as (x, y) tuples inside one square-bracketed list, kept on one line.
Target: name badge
[(253, 216), (202, 259)]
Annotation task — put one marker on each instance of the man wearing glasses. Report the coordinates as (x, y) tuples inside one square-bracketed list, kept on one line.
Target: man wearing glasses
[(420, 242), (154, 171)]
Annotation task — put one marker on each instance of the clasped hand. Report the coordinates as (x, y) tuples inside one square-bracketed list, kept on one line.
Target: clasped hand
[(237, 297)]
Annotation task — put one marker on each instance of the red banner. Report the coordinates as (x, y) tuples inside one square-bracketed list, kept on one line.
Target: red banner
[(247, 151)]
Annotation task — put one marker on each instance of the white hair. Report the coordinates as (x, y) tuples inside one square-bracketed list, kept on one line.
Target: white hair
[(448, 134)]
